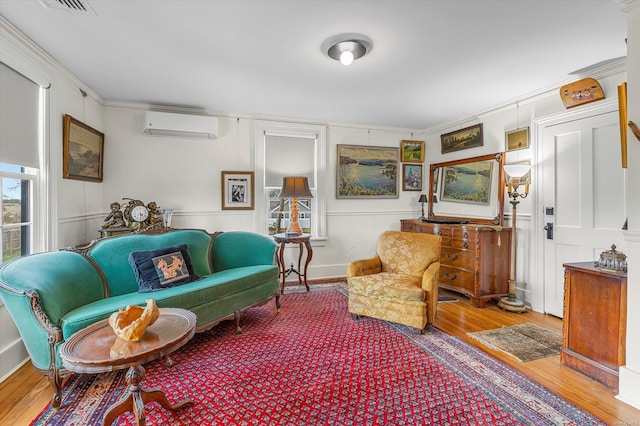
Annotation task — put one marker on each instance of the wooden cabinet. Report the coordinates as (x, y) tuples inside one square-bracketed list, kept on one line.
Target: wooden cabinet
[(474, 259), (595, 321)]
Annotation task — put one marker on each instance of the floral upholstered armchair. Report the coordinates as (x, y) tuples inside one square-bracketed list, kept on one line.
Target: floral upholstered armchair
[(400, 283)]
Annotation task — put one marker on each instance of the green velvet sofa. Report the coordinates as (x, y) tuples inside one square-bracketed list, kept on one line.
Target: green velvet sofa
[(52, 295)]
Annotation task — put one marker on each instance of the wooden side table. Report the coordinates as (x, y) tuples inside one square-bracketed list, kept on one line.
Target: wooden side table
[(96, 349), (595, 321), (303, 243)]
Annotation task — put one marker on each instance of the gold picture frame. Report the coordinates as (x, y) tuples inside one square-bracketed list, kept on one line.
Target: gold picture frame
[(365, 171), (412, 177), (469, 137), (82, 151), (517, 139), (238, 190), (411, 151)]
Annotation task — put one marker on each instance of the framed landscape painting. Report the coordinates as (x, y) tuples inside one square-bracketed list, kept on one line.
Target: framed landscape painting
[(82, 151), (412, 151), (367, 172), (469, 137), (468, 183)]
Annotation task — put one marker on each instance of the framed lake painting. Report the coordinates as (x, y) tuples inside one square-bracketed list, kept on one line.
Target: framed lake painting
[(367, 172), (468, 183)]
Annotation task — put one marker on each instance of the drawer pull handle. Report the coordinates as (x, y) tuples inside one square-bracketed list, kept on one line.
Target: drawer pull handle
[(465, 245), (466, 235), (439, 232), (448, 256), (451, 276)]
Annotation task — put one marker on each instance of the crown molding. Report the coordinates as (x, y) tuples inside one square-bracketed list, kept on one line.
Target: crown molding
[(627, 5), (27, 47), (606, 70)]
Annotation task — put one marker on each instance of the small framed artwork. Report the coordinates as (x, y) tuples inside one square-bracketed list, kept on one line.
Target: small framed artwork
[(469, 137), (412, 151), (237, 190), (517, 139), (412, 177), (82, 151)]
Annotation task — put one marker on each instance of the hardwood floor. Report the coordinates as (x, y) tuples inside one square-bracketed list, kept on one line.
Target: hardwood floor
[(26, 393)]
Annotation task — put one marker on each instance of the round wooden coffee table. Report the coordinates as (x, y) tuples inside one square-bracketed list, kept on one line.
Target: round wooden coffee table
[(96, 349)]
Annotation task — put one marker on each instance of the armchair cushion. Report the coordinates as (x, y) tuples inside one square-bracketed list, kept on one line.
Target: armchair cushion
[(389, 286)]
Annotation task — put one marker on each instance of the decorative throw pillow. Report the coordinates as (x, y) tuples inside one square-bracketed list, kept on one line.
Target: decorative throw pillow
[(162, 268)]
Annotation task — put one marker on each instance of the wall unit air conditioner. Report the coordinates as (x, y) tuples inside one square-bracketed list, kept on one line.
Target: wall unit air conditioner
[(180, 125)]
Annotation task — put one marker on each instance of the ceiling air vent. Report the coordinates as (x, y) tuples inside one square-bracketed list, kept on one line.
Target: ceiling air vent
[(76, 6)]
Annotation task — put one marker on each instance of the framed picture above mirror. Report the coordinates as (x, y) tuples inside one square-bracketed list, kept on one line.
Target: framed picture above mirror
[(471, 189)]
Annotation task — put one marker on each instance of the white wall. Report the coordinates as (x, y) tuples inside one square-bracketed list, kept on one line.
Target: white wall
[(184, 174), (70, 202), (79, 203), (630, 374), (518, 114)]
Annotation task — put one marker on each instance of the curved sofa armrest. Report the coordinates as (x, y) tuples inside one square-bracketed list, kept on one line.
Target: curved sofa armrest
[(38, 290), (369, 266), (430, 277)]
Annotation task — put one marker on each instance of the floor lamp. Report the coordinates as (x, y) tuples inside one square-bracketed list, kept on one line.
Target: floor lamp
[(295, 187), (515, 174)]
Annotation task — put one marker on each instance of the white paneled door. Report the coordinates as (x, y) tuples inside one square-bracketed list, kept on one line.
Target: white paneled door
[(582, 196)]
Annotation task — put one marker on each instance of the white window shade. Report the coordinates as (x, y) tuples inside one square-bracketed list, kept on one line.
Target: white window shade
[(289, 156), (19, 118)]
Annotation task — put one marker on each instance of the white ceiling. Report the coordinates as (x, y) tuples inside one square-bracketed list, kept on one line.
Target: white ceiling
[(432, 62)]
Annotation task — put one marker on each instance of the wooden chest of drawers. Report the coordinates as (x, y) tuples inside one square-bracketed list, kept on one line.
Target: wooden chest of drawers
[(474, 259)]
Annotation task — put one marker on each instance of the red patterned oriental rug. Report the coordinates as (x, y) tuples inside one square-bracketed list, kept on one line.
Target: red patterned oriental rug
[(311, 364)]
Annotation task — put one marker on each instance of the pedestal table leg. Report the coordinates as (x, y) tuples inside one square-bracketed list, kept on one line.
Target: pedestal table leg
[(307, 261), (300, 249), (135, 398), (281, 266)]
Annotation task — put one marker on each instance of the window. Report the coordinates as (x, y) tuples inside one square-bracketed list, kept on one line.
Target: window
[(291, 150), (22, 104), (16, 185)]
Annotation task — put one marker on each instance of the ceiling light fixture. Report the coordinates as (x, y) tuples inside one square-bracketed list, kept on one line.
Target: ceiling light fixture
[(346, 48)]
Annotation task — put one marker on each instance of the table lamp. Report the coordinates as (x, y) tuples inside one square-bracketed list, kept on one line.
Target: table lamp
[(422, 200), (295, 187)]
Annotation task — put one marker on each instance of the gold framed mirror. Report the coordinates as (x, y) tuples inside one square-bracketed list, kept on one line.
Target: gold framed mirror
[(470, 190)]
